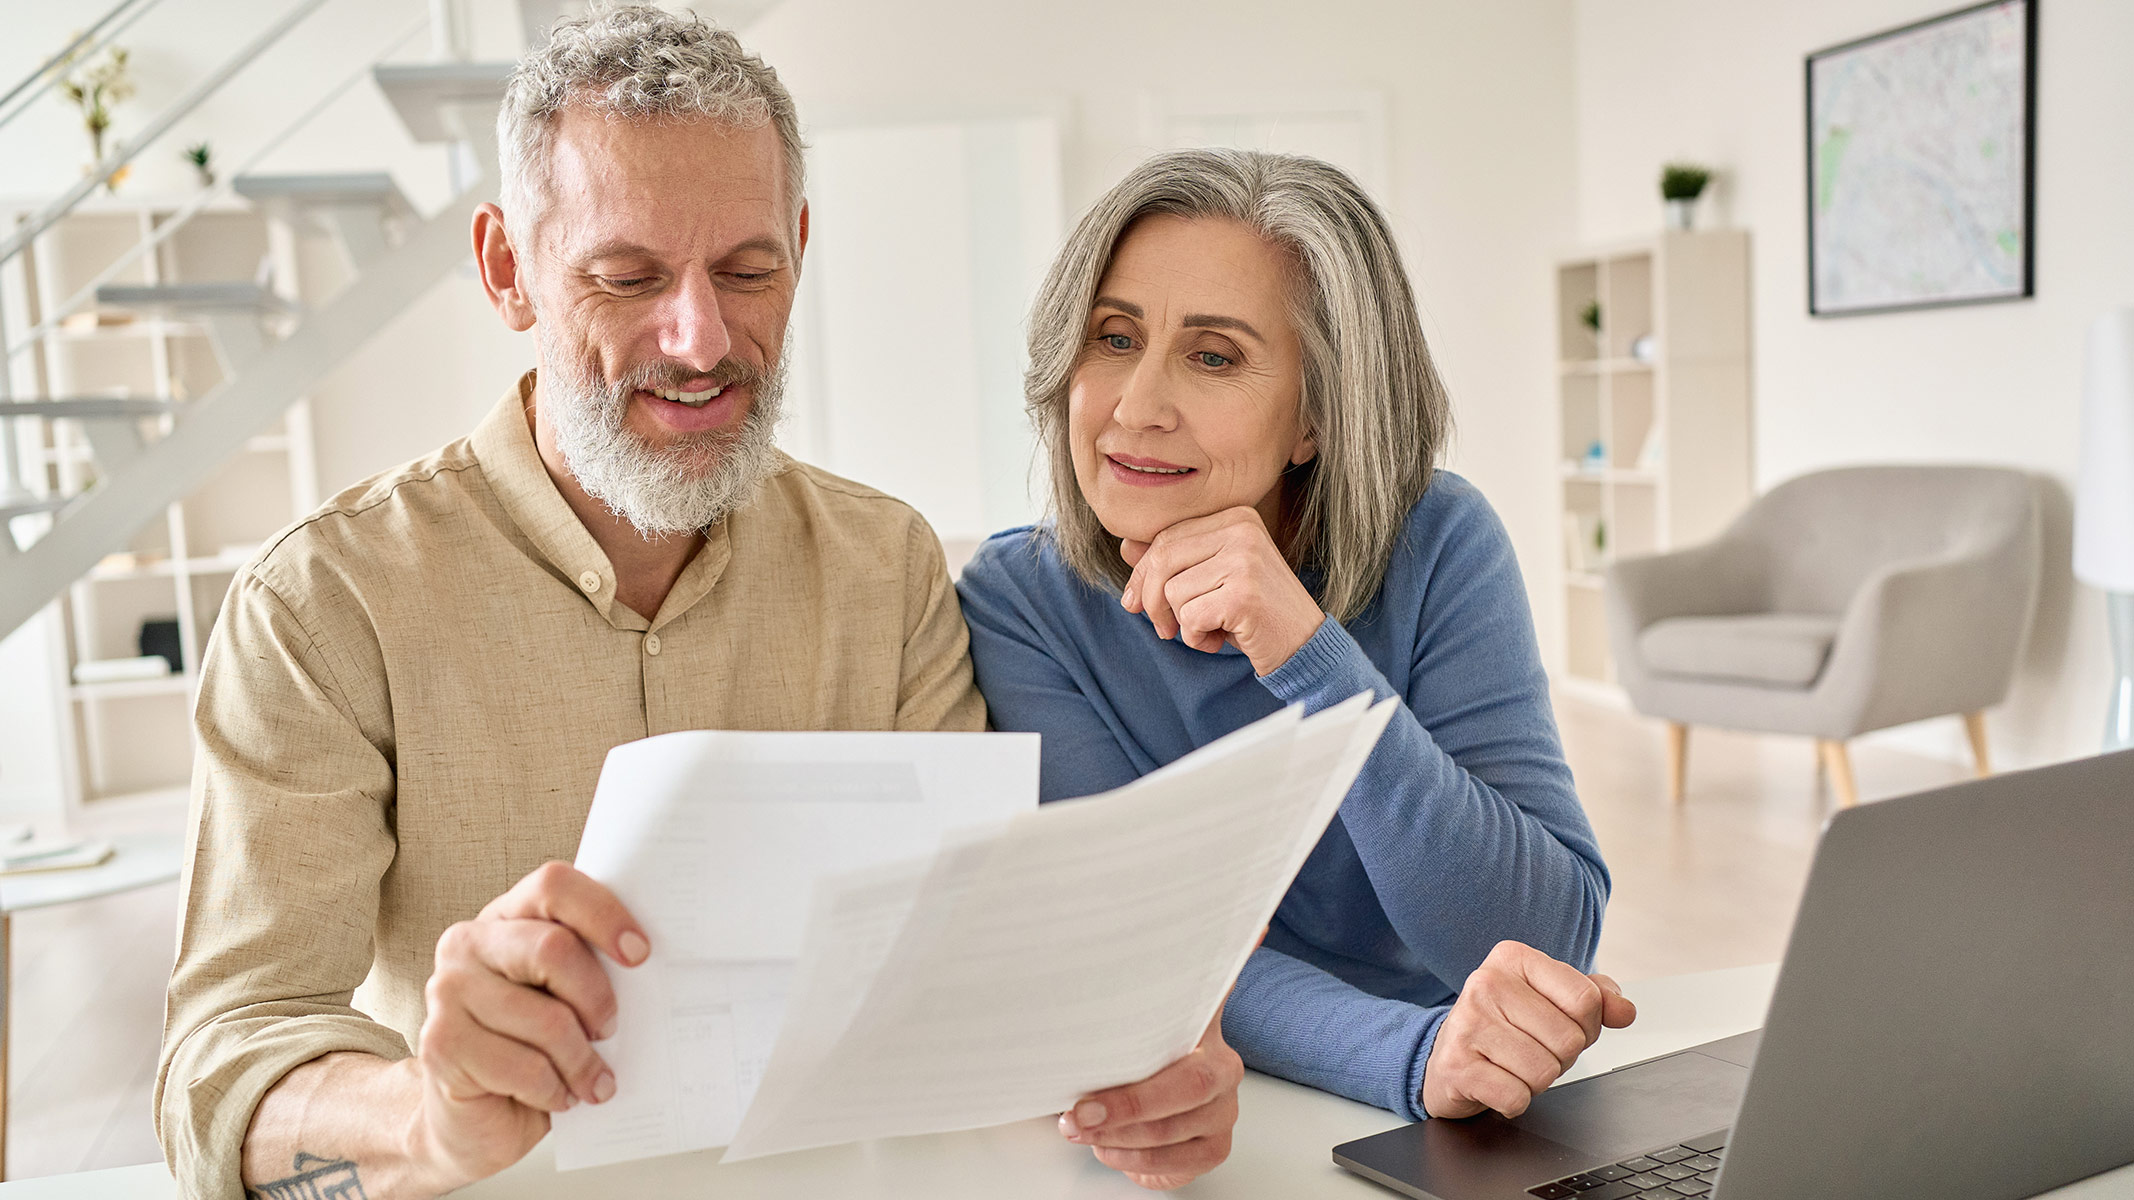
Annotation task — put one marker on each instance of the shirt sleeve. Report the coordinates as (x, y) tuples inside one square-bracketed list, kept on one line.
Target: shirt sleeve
[(935, 690), (290, 832), (1289, 1018), (1465, 817)]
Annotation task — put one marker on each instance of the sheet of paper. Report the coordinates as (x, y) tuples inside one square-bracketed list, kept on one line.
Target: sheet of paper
[(714, 840), (1080, 947)]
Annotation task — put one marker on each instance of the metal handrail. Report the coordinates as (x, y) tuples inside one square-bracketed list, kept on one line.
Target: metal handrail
[(39, 81), (221, 188), (95, 38), (170, 116)]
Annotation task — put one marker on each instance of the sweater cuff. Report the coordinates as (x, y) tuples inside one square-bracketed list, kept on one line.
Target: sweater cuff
[(1422, 1062), (1327, 669)]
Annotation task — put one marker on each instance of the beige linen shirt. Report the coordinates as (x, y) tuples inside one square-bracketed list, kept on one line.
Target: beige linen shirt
[(405, 705)]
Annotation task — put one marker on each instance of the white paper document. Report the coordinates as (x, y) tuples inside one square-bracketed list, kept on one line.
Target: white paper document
[(713, 840), (1078, 947)]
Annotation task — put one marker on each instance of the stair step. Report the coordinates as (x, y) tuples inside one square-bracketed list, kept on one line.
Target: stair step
[(371, 188), (427, 96), (86, 408), (24, 508), (184, 299)]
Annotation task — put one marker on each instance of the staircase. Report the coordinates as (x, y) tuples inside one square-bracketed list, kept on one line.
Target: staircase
[(149, 451)]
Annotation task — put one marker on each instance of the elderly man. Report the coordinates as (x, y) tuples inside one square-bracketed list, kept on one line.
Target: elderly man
[(409, 694)]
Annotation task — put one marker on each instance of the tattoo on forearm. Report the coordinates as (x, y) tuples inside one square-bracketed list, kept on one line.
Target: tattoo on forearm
[(315, 1179)]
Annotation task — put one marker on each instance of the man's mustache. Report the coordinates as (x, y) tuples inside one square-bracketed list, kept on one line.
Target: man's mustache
[(668, 375)]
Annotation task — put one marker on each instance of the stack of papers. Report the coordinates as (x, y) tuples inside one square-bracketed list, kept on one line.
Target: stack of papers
[(64, 854), (1005, 973)]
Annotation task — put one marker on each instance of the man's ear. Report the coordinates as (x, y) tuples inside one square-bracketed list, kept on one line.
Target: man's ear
[(800, 246), (502, 275)]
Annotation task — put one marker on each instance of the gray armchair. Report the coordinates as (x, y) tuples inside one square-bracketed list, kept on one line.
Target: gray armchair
[(1839, 603)]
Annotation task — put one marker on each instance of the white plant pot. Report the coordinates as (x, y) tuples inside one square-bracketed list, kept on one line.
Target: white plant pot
[(1680, 214)]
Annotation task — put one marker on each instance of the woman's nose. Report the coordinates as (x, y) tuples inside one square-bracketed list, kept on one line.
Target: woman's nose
[(1142, 402), (692, 326)]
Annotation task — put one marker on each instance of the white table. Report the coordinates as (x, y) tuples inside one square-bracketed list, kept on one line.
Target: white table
[(1284, 1134), (137, 860)]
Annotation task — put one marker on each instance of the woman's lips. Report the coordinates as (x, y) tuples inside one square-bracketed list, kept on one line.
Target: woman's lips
[(1135, 471)]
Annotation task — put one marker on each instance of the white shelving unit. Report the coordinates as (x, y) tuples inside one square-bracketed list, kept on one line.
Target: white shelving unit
[(1655, 437), (133, 735)]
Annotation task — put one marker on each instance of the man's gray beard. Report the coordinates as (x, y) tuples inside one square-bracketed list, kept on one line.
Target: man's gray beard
[(684, 488)]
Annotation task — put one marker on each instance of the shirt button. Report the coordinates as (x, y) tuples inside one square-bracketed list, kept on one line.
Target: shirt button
[(652, 643), (590, 581)]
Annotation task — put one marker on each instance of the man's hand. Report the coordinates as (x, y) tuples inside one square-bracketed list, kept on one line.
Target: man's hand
[(515, 1002), (1520, 1022), (1221, 578), (1171, 1127)]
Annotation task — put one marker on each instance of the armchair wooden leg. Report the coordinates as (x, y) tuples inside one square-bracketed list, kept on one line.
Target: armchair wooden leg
[(1838, 765), (1677, 760), (1975, 725)]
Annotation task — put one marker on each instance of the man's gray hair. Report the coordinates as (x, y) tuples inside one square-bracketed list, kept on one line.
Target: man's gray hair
[(634, 62), (1371, 397)]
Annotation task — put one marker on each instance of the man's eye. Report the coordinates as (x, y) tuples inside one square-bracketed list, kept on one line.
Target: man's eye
[(1118, 341), (1209, 358), (640, 281)]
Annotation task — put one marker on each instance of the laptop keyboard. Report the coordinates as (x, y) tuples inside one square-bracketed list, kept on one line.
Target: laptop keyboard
[(1688, 1169)]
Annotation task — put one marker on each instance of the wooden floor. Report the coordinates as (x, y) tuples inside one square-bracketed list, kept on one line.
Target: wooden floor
[(1712, 884)]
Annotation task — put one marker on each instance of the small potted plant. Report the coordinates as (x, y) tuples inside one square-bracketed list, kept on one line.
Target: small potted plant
[(1680, 185), (201, 157), (94, 87), (1590, 317)]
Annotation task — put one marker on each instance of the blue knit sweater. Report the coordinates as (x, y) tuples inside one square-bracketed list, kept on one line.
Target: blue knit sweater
[(1463, 829)]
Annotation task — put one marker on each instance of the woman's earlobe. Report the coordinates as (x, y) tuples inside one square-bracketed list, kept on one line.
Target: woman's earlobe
[(1307, 450)]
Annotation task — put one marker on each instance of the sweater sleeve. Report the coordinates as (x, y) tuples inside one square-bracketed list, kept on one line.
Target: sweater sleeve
[(1027, 685), (1289, 1018), (1464, 817)]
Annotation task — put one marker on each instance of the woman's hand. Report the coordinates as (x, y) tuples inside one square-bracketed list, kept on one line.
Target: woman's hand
[(1170, 1128), (1521, 1020), (1220, 578)]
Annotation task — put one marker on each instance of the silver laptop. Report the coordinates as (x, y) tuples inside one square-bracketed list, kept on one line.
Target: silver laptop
[(1954, 1017)]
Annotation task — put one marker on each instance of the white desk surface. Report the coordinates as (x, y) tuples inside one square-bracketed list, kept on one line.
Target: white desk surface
[(137, 860), (1284, 1136)]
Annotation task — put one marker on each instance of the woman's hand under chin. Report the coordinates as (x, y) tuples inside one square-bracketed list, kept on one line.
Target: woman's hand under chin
[(1217, 579)]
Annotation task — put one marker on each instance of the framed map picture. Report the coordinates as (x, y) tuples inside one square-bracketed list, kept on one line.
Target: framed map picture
[(1921, 149)]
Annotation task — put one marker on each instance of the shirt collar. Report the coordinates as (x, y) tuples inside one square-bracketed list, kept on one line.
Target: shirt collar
[(504, 444)]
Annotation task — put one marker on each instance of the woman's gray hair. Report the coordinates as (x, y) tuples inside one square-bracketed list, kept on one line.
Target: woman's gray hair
[(640, 63), (1371, 398)]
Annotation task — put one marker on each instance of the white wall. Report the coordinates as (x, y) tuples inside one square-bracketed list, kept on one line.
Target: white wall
[(1476, 100), (1999, 383)]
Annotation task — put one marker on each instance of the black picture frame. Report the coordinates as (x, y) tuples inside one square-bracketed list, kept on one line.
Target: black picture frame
[(1822, 306)]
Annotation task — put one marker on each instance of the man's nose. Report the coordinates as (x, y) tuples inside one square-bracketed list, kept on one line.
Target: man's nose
[(692, 325), (1143, 403)]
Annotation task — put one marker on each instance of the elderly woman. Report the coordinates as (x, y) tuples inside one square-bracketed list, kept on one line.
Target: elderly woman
[(1228, 374)]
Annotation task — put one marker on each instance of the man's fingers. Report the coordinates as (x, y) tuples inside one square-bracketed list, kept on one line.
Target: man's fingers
[(547, 1025), (1216, 1116), (470, 1062), (1163, 1166), (1185, 1085), (538, 954), (561, 893), (1617, 1010)]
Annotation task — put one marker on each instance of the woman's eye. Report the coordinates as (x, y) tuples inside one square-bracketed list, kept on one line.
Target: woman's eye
[(1209, 358), (1118, 341)]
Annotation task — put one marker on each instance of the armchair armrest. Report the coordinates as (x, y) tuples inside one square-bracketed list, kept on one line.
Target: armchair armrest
[(1723, 576), (1928, 637)]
